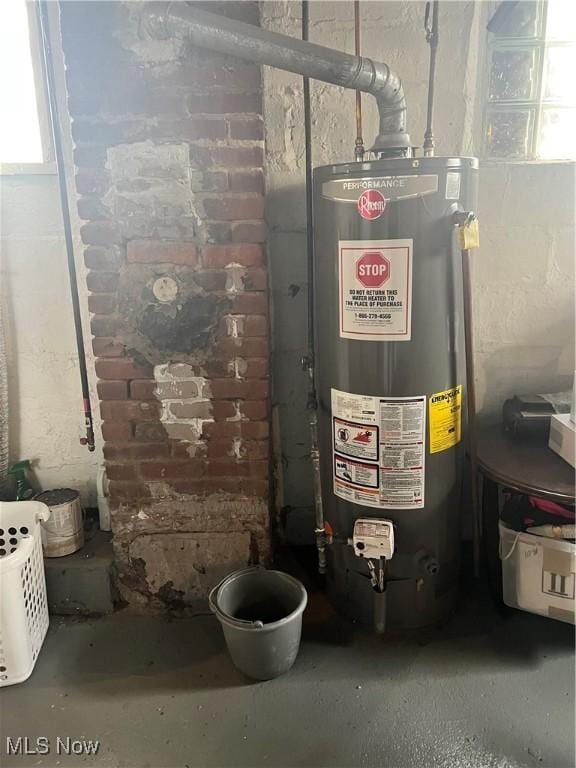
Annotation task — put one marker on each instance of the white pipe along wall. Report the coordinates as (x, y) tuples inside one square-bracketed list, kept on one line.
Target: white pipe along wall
[(45, 398), (524, 271)]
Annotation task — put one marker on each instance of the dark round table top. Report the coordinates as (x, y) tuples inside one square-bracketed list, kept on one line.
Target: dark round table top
[(526, 465)]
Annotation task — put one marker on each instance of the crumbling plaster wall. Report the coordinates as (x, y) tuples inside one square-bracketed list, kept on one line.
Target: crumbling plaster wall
[(524, 270)]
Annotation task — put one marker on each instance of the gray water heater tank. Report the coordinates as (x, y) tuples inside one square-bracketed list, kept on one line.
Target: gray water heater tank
[(390, 374)]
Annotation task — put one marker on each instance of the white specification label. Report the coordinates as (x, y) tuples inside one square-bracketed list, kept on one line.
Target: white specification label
[(386, 437), (375, 289)]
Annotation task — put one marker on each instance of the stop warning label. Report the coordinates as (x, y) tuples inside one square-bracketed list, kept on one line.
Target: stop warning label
[(445, 417), (375, 289)]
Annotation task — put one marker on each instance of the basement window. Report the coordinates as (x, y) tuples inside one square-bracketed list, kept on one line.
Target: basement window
[(25, 144), (531, 109)]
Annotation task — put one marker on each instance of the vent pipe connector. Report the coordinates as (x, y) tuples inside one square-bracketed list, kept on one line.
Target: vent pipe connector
[(246, 41)]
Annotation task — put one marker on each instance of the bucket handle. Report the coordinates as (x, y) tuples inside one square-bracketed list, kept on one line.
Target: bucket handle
[(214, 591), (510, 551)]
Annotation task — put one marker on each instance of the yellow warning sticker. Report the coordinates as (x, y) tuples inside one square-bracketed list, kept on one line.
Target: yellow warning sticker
[(445, 412)]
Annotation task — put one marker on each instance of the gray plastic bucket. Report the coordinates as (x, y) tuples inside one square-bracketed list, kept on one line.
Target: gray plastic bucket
[(261, 615)]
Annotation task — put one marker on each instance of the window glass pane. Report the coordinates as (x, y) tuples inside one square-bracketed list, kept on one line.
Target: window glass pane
[(561, 20), (557, 139), (559, 73), (20, 140), (509, 132), (512, 74), (520, 19)]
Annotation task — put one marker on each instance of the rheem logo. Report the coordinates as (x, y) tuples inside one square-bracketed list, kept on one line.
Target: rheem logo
[(371, 204), (372, 269)]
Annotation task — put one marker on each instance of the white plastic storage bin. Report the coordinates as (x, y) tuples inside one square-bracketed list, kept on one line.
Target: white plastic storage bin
[(23, 604), (538, 574)]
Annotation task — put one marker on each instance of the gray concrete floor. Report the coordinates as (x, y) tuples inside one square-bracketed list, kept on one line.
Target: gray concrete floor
[(482, 691)]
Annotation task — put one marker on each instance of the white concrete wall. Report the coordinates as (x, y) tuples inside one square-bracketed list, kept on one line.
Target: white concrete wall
[(45, 398), (523, 272)]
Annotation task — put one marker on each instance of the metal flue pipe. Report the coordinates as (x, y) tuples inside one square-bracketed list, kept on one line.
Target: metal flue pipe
[(246, 41)]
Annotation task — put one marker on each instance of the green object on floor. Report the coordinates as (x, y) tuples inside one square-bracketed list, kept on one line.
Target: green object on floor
[(24, 490)]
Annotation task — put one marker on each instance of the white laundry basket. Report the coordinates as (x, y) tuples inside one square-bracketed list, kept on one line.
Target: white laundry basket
[(23, 604)]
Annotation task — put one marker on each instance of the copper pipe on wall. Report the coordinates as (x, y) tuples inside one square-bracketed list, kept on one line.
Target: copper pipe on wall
[(359, 144)]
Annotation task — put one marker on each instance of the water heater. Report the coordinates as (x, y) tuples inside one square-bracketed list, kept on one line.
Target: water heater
[(390, 378)]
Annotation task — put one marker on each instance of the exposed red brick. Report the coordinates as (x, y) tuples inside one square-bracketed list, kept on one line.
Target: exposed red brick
[(90, 156), (223, 103), (103, 347), (103, 325), (112, 390), (116, 432), (238, 468), (142, 389), (91, 208), (227, 389), (256, 325), (248, 128), (254, 409), (250, 304), (150, 432), (223, 409), (228, 208), (104, 259), (102, 282), (100, 233), (248, 232), (255, 280), (179, 449), (91, 182), (102, 303), (200, 128), (238, 366), (162, 252), (246, 181), (154, 470), (232, 157), (242, 347), (133, 451), (237, 486), (129, 410), (218, 231), (250, 430), (123, 368), (121, 471), (248, 449), (210, 181), (220, 256), (256, 368), (211, 280)]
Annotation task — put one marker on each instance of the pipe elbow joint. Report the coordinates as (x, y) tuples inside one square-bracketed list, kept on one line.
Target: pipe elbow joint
[(388, 91)]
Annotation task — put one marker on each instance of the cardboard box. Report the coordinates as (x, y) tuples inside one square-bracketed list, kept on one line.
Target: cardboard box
[(563, 437)]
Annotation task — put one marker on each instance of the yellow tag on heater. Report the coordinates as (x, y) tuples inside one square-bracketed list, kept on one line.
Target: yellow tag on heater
[(445, 417), (469, 235)]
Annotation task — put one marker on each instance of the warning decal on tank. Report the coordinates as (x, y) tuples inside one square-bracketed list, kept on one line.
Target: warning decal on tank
[(355, 439), (445, 413), (356, 473), (375, 289), (388, 434)]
